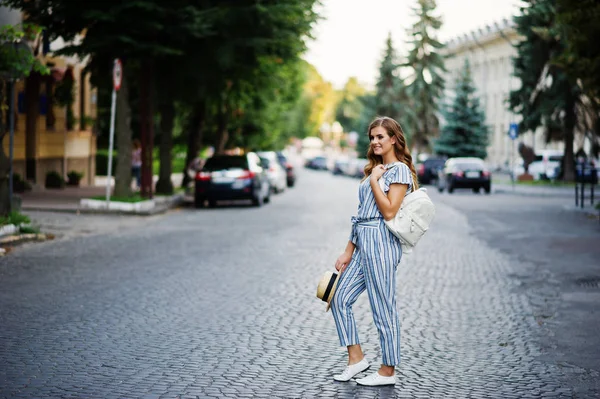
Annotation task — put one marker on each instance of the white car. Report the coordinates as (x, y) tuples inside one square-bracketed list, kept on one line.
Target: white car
[(546, 163), (276, 173)]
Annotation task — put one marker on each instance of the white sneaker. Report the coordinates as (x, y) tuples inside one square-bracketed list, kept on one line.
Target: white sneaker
[(376, 379), (352, 370)]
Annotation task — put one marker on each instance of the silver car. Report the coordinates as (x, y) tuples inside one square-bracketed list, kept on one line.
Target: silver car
[(277, 175)]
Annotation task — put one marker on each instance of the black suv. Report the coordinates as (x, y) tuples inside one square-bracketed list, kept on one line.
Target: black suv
[(232, 177), (427, 171)]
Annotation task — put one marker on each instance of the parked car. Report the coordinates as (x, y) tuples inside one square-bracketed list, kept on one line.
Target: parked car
[(465, 172), (340, 166), (289, 169), (317, 163), (232, 177), (427, 171), (545, 164), (277, 174)]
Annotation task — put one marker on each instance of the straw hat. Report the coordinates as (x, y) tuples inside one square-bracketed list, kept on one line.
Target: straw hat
[(326, 287)]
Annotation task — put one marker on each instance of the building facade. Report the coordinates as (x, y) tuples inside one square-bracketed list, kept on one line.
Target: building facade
[(53, 132), (490, 51)]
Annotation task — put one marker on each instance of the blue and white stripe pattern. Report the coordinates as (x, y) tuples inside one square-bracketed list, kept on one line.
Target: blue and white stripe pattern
[(372, 268)]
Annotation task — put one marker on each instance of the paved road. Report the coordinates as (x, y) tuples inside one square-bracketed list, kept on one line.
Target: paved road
[(221, 303)]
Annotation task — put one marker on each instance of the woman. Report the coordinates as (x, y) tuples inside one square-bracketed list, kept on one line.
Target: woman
[(373, 253)]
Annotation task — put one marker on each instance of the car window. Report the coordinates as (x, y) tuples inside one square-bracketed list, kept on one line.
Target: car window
[(469, 166), (555, 158), (226, 162), (538, 158)]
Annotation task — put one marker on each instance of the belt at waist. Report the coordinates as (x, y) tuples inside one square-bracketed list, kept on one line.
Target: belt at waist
[(372, 222)]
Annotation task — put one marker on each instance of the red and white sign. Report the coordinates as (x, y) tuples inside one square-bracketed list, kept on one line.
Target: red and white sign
[(117, 74)]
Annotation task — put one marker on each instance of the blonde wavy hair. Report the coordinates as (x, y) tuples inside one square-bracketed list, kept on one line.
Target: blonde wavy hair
[(393, 129)]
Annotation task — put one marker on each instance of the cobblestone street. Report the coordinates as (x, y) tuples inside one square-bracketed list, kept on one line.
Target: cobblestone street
[(221, 303)]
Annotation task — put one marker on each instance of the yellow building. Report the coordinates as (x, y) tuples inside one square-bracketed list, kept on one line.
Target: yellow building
[(45, 138)]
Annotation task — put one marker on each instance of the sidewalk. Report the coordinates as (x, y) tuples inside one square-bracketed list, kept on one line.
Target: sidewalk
[(536, 191), (68, 199)]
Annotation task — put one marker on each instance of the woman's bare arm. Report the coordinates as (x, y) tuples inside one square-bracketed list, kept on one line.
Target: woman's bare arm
[(388, 204)]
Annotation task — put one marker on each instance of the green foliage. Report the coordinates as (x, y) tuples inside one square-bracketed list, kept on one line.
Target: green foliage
[(20, 185), (349, 107), (14, 218), (368, 113), (102, 162), (391, 97), (427, 67), (29, 230), (464, 133), (580, 58), (74, 177), (16, 60), (130, 199), (54, 180), (547, 96)]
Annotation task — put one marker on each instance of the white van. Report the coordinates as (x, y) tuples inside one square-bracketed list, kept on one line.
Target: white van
[(546, 164)]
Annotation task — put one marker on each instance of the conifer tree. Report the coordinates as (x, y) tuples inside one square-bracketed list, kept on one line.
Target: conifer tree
[(547, 96), (427, 66), (464, 133), (391, 98)]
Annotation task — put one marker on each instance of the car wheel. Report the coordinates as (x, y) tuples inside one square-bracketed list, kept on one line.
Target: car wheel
[(476, 190), (212, 203), (257, 201), (488, 189), (198, 202), (440, 189), (267, 199), (450, 189)]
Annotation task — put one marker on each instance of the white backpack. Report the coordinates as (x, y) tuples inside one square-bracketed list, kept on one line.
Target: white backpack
[(413, 218)]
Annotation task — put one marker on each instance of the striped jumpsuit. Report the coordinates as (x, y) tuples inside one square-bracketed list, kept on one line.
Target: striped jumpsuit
[(373, 268)]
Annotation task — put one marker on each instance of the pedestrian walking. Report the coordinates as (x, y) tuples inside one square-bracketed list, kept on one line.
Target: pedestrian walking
[(373, 253), (136, 162)]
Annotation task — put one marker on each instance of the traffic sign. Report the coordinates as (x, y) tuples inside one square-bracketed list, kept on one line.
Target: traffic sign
[(117, 74), (513, 131)]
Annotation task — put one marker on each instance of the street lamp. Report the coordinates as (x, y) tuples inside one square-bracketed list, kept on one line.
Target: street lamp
[(13, 75)]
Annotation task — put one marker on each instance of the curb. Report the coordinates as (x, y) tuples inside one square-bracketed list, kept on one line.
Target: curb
[(161, 206), (533, 193)]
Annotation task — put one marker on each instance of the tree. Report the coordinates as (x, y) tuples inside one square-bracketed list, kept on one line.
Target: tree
[(464, 133), (547, 97), (16, 61), (350, 106), (580, 58), (391, 98), (427, 67)]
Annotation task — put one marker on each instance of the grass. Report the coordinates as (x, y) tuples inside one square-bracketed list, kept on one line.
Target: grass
[(132, 199), (547, 183), (29, 230)]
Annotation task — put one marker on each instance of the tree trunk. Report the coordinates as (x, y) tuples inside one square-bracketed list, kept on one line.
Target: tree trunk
[(569, 126), (4, 161), (147, 127), (195, 131), (32, 100), (167, 118), (222, 133), (123, 141)]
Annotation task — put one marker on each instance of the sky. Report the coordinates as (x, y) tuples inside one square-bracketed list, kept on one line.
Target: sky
[(350, 39)]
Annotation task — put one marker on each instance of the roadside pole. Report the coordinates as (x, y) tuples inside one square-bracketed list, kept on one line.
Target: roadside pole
[(117, 78), (513, 133)]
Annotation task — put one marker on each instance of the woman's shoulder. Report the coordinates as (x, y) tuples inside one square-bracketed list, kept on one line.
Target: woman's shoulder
[(399, 172)]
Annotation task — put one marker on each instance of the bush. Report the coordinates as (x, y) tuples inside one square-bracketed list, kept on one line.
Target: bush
[(74, 178), (15, 218), (102, 162), (20, 185), (54, 180)]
